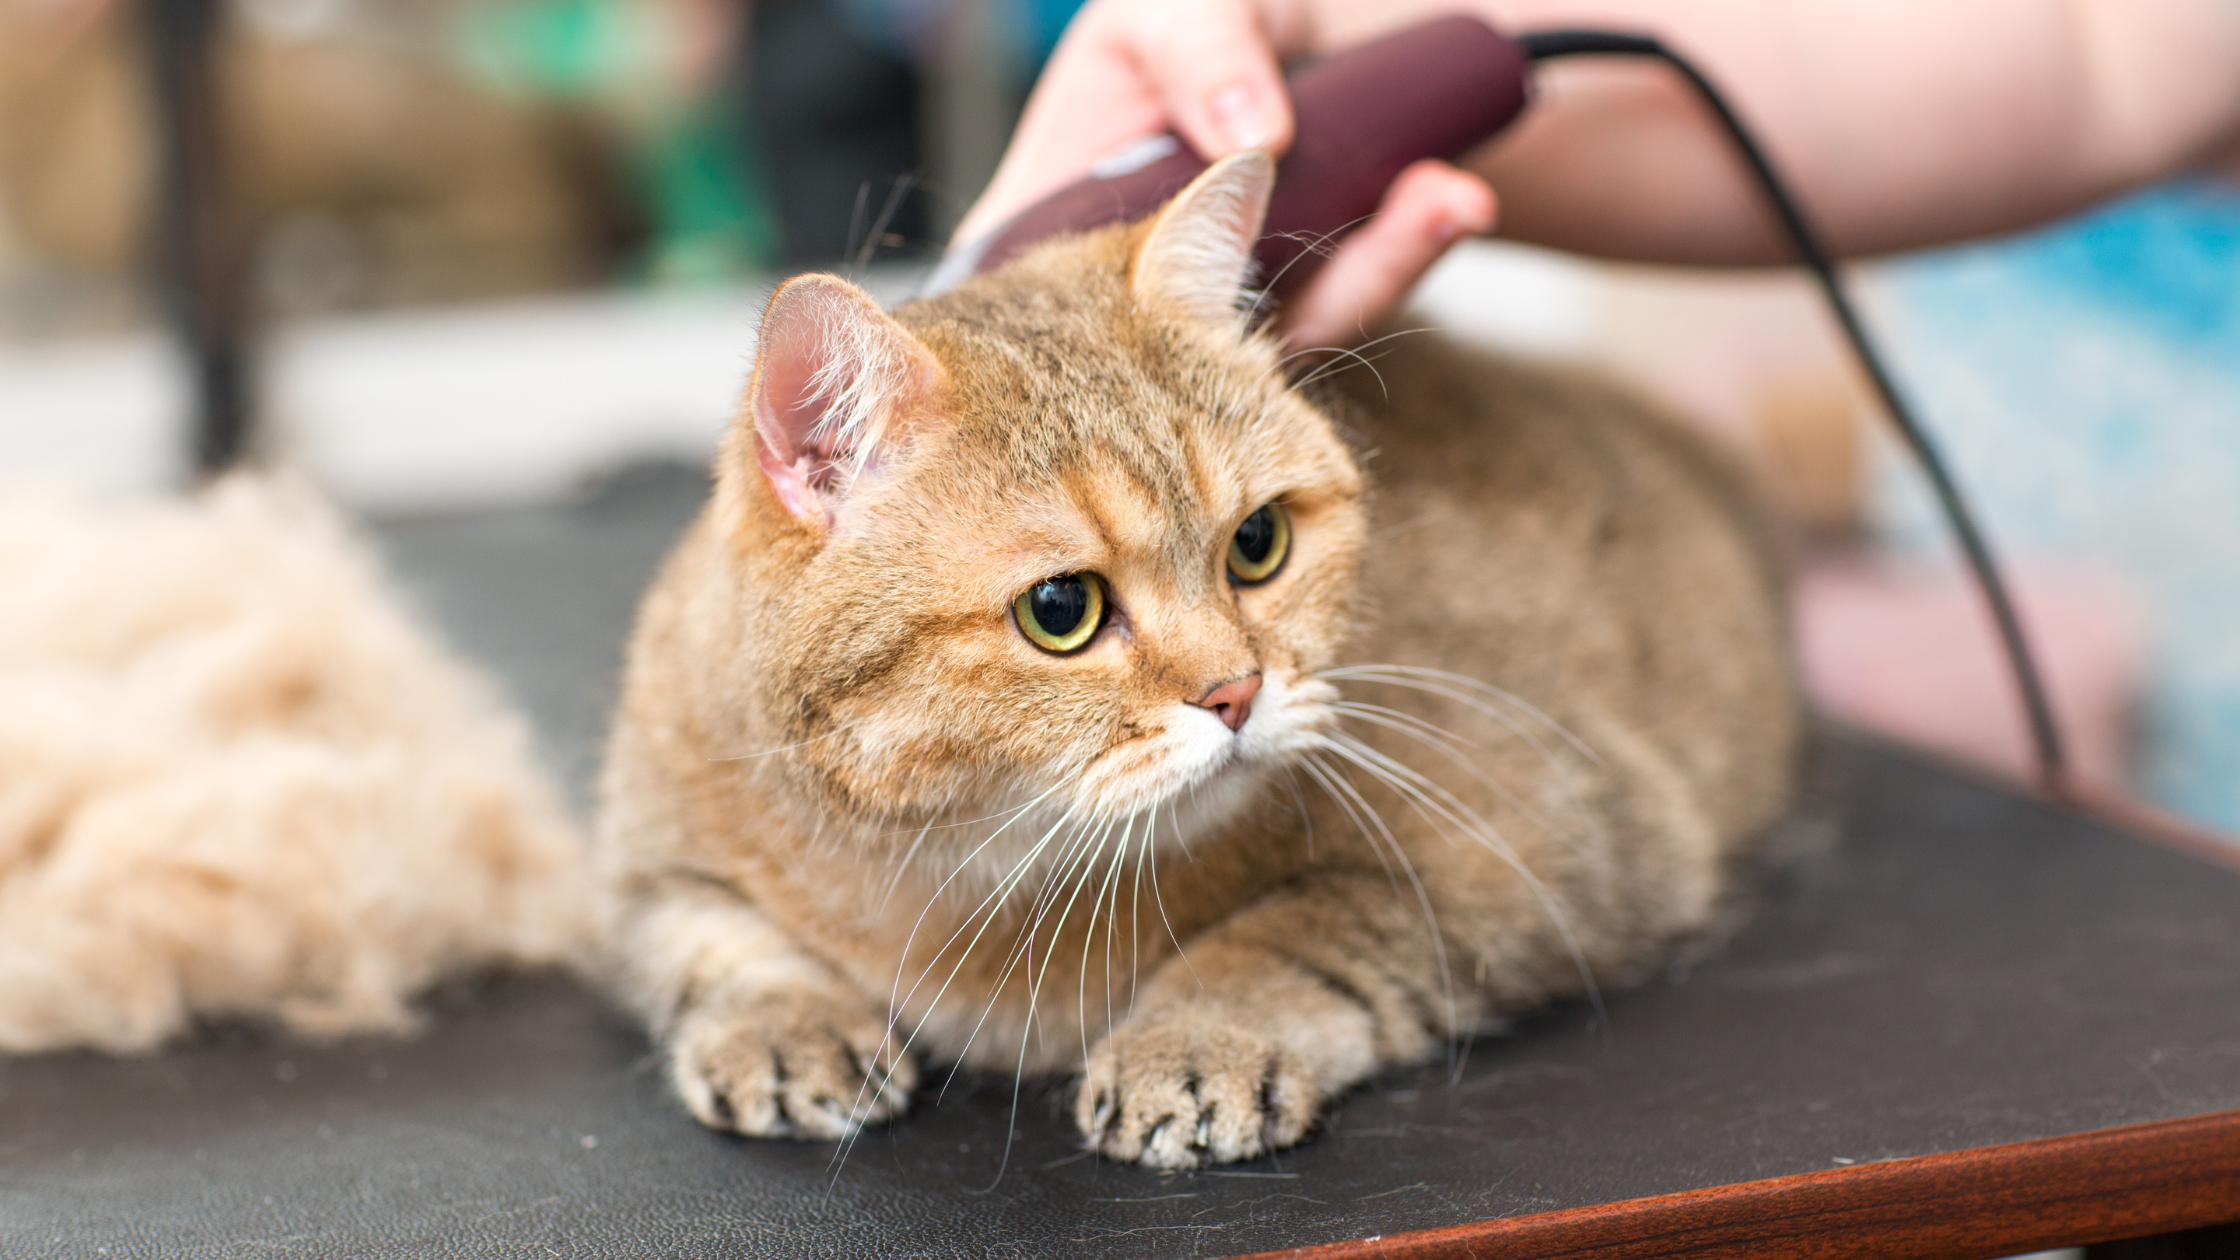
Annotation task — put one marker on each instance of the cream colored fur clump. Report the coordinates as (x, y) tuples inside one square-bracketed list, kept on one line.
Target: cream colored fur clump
[(236, 781)]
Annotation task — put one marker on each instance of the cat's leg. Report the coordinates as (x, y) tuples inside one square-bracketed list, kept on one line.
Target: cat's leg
[(1232, 1048), (763, 1039)]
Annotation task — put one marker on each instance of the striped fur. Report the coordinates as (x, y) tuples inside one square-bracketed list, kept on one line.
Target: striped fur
[(1525, 696)]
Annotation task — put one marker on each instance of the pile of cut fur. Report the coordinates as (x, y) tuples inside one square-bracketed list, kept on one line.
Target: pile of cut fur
[(237, 782)]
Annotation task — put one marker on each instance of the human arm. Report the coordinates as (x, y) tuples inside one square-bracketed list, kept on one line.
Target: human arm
[(1125, 71), (1903, 123)]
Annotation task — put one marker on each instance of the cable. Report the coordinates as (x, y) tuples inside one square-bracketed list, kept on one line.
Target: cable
[(2045, 734)]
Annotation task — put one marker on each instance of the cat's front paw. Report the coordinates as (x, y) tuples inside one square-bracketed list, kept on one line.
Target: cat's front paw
[(1182, 1092), (790, 1065)]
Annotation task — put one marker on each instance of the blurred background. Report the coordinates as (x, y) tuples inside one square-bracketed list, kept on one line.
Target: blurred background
[(488, 253)]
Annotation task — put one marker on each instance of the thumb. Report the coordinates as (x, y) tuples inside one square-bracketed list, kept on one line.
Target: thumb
[(1214, 70), (1428, 208), (1127, 69)]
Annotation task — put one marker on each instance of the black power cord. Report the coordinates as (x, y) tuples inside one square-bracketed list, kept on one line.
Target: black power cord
[(2045, 734)]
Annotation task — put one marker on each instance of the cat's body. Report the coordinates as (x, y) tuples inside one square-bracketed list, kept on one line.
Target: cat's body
[(843, 783)]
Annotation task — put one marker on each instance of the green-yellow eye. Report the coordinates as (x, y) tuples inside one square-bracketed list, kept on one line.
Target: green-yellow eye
[(1061, 614), (1258, 548)]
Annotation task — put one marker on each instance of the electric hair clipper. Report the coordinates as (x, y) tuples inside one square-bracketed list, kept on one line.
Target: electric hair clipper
[(1363, 115)]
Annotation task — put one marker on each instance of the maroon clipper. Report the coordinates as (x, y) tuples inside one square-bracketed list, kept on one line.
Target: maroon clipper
[(1431, 91)]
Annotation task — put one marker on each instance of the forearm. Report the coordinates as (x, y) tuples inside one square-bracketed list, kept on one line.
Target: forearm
[(1902, 123)]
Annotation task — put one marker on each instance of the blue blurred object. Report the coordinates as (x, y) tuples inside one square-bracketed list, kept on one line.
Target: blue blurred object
[(2168, 260), (1029, 28), (1039, 24), (2085, 380)]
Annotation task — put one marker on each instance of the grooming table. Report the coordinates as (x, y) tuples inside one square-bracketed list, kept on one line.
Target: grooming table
[(1961, 1024)]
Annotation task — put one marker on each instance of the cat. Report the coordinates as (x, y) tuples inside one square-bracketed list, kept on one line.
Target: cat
[(1049, 684)]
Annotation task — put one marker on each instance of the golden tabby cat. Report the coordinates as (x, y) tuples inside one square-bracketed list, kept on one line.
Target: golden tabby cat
[(1046, 687)]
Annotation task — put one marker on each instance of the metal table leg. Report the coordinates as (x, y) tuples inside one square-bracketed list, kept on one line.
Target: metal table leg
[(201, 260)]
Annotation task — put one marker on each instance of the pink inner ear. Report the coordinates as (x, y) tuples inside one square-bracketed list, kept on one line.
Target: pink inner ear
[(795, 455), (832, 369)]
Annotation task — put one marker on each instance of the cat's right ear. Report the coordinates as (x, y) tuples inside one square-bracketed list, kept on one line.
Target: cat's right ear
[(835, 379), (1198, 254)]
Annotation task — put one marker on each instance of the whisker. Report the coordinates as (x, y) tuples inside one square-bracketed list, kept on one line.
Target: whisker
[(1034, 995), (1443, 742), (902, 866), (1112, 927), (1423, 900), (1088, 939), (871, 240), (994, 897), (1318, 244), (1357, 808), (1434, 803), (985, 914), (1161, 901), (1406, 723), (1022, 948), (1358, 354), (989, 905), (1411, 676), (1135, 910), (841, 729), (1341, 354), (1405, 677)]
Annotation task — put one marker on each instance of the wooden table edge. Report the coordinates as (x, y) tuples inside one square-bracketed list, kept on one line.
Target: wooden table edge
[(2082, 1188), (2077, 1189), (2098, 1186), (2151, 823)]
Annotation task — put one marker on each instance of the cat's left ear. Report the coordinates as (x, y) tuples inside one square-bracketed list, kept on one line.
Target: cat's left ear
[(1198, 253), (834, 379)]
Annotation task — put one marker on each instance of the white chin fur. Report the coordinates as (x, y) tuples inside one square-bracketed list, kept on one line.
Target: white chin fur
[(1172, 789), (1203, 770)]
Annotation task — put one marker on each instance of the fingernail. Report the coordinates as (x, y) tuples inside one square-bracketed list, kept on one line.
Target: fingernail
[(1237, 113)]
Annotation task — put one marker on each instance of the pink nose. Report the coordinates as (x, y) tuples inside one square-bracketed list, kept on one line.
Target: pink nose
[(1232, 701)]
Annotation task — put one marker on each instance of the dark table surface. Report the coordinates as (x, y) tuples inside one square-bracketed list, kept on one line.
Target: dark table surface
[(1933, 965)]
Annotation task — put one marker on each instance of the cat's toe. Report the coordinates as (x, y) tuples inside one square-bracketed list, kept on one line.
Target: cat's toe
[(790, 1067), (1181, 1096)]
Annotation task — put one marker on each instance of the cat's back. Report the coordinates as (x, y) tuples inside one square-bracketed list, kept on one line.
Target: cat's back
[(1540, 529)]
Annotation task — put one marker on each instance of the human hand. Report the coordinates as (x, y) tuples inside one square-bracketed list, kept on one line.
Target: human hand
[(1208, 69)]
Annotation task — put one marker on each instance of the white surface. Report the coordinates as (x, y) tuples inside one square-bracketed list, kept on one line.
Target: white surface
[(1534, 301), (511, 403), (406, 412), (416, 411), (108, 414), (518, 402)]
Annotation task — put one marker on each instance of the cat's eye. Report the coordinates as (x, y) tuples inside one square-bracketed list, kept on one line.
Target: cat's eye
[(1061, 614), (1258, 548)]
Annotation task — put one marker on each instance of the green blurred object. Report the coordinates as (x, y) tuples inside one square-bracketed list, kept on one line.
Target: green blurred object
[(713, 221), (688, 159), (566, 50)]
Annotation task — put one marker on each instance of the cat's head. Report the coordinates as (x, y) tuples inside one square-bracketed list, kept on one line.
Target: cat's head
[(1065, 530)]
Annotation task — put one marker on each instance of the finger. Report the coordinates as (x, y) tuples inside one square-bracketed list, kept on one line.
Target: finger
[(1427, 209), (1092, 98), (1213, 68), (1127, 69)]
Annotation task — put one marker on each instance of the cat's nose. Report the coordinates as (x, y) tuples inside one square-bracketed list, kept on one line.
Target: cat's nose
[(1232, 700)]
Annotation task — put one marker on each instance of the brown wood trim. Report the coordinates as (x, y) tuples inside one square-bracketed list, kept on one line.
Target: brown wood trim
[(2150, 822), (1967, 1205)]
